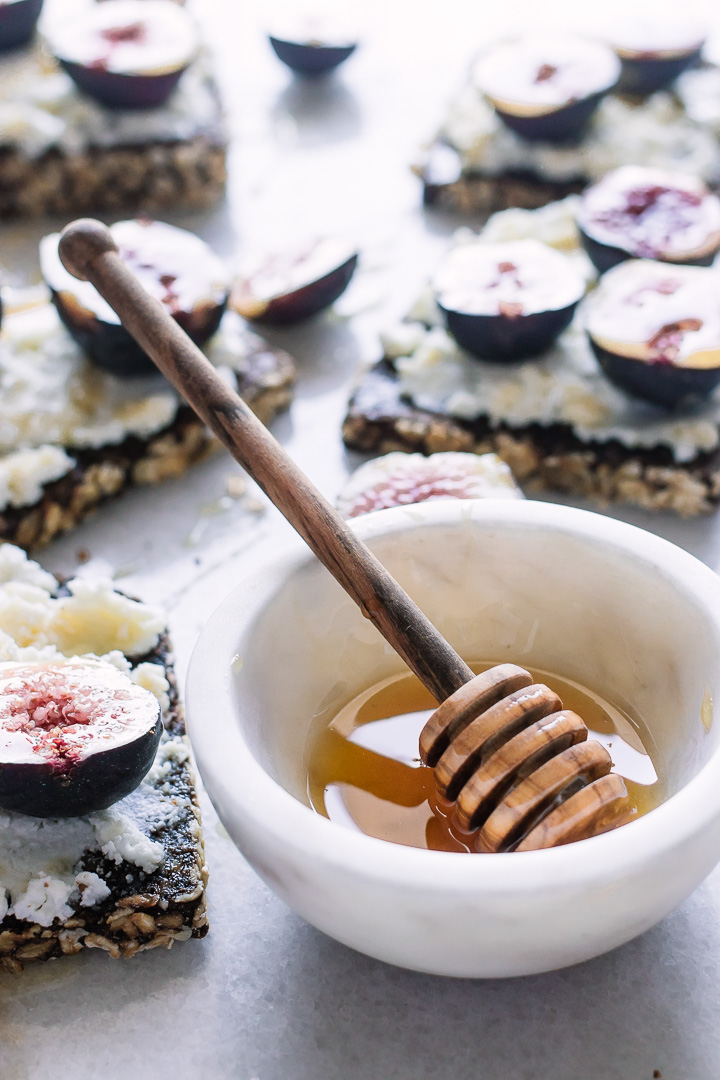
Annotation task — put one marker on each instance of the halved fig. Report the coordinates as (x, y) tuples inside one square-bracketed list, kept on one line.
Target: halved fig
[(655, 330), (312, 44), (640, 212), (547, 88), (295, 284), (17, 22), (75, 736), (653, 51), (128, 54), (507, 301), (175, 266), (399, 479)]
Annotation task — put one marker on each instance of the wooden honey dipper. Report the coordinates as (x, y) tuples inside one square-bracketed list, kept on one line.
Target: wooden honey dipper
[(514, 763)]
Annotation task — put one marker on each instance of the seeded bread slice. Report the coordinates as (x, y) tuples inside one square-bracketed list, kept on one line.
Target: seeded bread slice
[(264, 377), (542, 458), (150, 176), (140, 910), (467, 191)]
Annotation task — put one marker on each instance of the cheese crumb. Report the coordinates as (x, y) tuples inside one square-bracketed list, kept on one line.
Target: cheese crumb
[(92, 888), (121, 840)]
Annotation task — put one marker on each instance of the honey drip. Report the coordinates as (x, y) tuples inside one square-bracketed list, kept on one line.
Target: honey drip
[(365, 771)]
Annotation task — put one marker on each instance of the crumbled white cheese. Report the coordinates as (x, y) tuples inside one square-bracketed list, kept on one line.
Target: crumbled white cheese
[(24, 474), (699, 91), (656, 133), (553, 224), (120, 840), (171, 752), (93, 619), (16, 566), (44, 900), (92, 888), (38, 857), (49, 392), (152, 678), (39, 880), (403, 339)]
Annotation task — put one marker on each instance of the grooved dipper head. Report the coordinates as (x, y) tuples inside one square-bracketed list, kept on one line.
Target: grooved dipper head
[(81, 243)]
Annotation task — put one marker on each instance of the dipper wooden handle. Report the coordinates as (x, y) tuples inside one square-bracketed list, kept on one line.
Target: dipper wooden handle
[(89, 252), (502, 748)]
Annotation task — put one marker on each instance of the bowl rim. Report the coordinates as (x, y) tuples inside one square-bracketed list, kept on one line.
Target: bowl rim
[(312, 838)]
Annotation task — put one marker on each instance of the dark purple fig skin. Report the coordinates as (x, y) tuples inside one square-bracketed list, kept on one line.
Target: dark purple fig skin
[(605, 256), (496, 337), (310, 59), (565, 125), (661, 383), (644, 76), (118, 91), (17, 22), (308, 300), (112, 348), (93, 784)]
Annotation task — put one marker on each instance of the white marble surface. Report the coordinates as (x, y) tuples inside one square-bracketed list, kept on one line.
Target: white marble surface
[(264, 996)]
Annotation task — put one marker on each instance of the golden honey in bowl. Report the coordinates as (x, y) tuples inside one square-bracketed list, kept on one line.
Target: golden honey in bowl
[(365, 771)]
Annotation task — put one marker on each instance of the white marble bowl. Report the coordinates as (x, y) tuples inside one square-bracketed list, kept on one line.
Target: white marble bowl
[(549, 586)]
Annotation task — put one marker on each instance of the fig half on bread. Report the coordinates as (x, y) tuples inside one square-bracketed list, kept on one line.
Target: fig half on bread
[(175, 266), (310, 57), (292, 285), (507, 301), (313, 44), (126, 54), (648, 213), (17, 22), (401, 479), (655, 50), (655, 330), (75, 736), (547, 88)]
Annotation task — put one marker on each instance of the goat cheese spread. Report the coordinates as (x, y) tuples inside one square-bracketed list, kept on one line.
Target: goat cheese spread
[(563, 386)]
